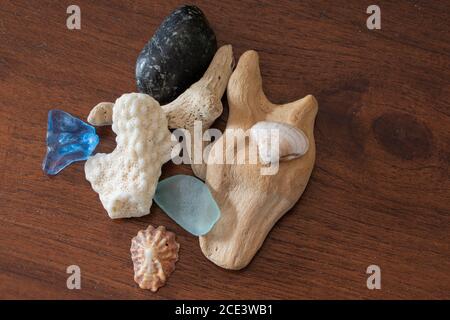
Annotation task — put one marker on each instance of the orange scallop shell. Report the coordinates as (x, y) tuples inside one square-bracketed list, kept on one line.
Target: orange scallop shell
[(154, 252)]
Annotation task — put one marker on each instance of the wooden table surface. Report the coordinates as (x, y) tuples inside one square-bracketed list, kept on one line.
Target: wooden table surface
[(379, 193)]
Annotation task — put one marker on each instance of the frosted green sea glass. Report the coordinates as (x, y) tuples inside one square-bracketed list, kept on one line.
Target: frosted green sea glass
[(188, 201)]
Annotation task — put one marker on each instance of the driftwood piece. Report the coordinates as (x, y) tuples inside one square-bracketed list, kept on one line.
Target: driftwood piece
[(252, 203)]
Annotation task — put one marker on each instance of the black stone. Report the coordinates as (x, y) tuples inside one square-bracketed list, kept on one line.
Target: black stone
[(177, 55)]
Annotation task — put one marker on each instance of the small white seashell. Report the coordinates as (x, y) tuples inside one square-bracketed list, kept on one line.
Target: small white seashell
[(292, 142), (154, 252)]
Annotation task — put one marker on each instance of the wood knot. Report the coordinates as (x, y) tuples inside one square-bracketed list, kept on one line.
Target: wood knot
[(403, 136)]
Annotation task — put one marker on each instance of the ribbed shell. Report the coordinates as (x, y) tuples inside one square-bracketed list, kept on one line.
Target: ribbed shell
[(154, 252)]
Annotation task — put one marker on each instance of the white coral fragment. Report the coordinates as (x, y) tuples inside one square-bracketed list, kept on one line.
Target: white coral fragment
[(126, 178), (101, 114), (202, 101)]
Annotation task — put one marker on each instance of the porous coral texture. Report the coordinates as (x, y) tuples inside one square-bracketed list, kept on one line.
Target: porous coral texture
[(126, 178)]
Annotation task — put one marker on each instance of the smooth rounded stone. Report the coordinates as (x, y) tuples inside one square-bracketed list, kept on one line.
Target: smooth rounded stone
[(69, 139), (188, 201), (177, 55)]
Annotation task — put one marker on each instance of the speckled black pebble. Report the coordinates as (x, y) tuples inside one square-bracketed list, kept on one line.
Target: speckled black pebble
[(177, 55)]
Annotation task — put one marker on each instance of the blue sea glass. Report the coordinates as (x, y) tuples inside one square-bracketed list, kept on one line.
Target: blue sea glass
[(188, 201), (68, 140)]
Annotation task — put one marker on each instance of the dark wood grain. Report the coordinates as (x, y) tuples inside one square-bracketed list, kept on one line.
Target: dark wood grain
[(379, 193)]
